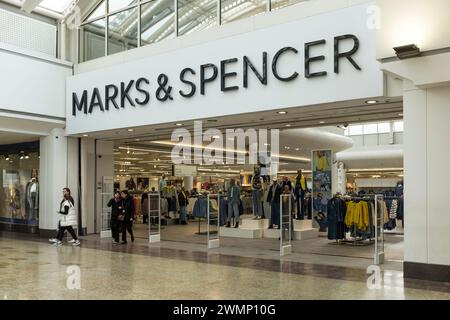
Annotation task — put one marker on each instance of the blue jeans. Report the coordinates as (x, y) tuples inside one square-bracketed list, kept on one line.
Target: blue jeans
[(275, 213), (233, 209), (183, 214), (257, 204)]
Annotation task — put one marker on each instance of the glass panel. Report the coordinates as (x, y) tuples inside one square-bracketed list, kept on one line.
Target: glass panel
[(98, 12), (115, 5), (398, 126), (194, 15), (122, 31), (278, 4), (237, 9), (19, 185), (370, 128), (92, 43), (355, 130), (157, 21), (55, 5), (384, 127)]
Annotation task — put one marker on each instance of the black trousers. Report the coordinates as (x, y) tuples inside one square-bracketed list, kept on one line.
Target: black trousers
[(63, 229), (300, 199), (127, 226), (115, 229)]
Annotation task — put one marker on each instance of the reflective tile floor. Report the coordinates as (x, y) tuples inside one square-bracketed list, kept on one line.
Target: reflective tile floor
[(30, 268)]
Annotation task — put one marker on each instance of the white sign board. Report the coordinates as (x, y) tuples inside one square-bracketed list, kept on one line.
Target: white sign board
[(320, 59), (180, 170)]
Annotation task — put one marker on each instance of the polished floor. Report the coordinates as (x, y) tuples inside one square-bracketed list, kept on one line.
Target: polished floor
[(30, 268)]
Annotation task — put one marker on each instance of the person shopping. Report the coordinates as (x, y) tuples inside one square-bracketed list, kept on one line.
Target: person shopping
[(183, 202), (116, 209), (128, 212)]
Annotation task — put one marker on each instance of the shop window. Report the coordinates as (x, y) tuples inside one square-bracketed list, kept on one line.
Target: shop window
[(98, 12), (278, 4), (92, 45), (384, 127), (19, 184), (232, 10), (370, 128), (157, 21), (398, 126), (355, 130), (114, 5), (122, 31), (195, 15)]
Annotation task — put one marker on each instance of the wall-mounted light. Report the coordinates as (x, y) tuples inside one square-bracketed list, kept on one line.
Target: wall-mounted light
[(407, 51)]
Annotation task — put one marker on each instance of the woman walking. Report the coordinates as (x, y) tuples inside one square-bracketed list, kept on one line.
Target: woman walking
[(116, 209), (67, 219), (128, 211)]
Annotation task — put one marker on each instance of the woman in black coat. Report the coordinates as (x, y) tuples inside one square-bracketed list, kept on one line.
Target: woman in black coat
[(128, 211), (116, 206)]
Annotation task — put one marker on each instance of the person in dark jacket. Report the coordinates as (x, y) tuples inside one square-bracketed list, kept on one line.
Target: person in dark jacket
[(275, 191), (183, 202), (144, 208), (128, 211), (116, 209)]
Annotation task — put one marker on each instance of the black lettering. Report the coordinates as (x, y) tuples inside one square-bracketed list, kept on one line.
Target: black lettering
[(96, 100), (111, 97), (338, 55), (309, 59), (275, 64), (77, 105), (144, 92), (224, 75), (191, 84), (124, 94), (262, 78), (204, 80)]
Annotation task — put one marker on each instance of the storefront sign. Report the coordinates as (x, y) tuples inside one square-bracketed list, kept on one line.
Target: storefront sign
[(322, 59)]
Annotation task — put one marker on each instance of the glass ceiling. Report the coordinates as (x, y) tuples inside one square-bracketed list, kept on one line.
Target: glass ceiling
[(55, 5)]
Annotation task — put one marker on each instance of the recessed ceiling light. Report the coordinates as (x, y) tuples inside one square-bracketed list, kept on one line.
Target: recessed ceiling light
[(297, 149), (179, 124), (216, 137), (130, 130), (400, 114), (287, 148), (85, 135), (322, 122), (137, 139), (288, 125), (372, 101), (282, 112)]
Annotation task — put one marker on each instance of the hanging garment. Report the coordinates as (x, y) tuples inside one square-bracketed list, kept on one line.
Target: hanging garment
[(336, 217), (357, 215)]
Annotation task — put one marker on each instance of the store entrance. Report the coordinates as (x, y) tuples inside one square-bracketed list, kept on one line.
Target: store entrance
[(365, 159)]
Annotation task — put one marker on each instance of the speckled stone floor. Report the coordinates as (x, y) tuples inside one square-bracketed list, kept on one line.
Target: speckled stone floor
[(30, 268)]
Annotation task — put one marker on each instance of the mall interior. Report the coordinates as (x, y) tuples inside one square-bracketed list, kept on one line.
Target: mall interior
[(340, 108)]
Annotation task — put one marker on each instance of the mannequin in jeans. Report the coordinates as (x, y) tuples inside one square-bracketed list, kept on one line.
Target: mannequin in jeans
[(234, 197)]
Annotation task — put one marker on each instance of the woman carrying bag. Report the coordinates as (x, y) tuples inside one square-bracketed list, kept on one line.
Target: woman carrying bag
[(67, 219)]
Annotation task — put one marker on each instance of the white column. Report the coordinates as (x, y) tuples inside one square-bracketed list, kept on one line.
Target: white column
[(188, 183), (88, 184), (52, 177)]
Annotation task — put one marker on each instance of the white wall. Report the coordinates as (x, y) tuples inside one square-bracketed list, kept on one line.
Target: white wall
[(32, 85), (421, 22), (88, 184), (104, 168), (427, 222)]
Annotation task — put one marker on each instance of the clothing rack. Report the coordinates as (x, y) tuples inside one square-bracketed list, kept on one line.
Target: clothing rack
[(357, 241)]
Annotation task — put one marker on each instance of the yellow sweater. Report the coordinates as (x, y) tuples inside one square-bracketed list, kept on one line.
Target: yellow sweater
[(357, 214)]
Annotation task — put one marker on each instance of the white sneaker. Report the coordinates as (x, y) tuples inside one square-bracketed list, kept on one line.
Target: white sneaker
[(71, 241), (53, 240), (77, 243), (58, 243)]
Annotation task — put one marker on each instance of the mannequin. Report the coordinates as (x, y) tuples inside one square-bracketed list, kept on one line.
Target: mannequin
[(130, 184), (162, 183), (257, 184), (32, 199), (300, 191)]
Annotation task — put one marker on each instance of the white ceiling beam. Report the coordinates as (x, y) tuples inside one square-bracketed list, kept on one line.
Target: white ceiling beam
[(29, 5)]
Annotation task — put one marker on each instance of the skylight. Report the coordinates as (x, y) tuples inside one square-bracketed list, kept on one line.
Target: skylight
[(55, 5)]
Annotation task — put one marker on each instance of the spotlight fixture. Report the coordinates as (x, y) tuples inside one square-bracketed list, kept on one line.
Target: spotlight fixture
[(372, 101), (179, 124), (85, 135), (130, 130), (321, 122), (7, 157), (407, 51), (21, 157), (282, 112), (288, 125)]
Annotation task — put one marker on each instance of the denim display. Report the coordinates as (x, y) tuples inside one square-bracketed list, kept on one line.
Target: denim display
[(257, 203)]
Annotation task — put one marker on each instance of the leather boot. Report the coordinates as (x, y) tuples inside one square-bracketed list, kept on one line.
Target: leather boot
[(237, 225), (229, 224)]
